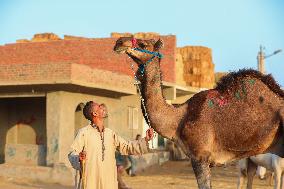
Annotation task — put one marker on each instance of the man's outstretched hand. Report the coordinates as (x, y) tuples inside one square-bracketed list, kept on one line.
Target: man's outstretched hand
[(82, 156), (149, 134)]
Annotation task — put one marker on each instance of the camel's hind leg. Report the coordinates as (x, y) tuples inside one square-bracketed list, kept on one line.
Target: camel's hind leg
[(242, 167), (202, 173)]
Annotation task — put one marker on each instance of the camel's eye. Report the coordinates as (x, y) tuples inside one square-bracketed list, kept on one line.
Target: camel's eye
[(142, 45), (119, 42)]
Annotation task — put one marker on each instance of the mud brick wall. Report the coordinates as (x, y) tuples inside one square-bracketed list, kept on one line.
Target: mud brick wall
[(95, 53), (197, 65)]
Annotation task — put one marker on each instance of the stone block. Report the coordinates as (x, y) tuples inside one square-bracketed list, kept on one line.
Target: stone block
[(42, 37)]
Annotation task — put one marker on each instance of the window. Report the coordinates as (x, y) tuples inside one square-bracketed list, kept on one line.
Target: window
[(132, 117)]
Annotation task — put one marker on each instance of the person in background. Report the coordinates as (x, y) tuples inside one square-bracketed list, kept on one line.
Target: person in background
[(131, 170), (120, 162)]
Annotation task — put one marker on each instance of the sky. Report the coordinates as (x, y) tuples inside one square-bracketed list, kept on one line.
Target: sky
[(233, 29)]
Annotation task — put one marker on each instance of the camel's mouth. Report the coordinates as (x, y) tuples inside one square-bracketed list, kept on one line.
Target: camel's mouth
[(121, 50), (131, 52), (134, 58), (134, 55)]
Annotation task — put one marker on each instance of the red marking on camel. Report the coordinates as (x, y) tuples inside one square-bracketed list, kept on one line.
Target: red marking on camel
[(217, 98), (222, 101)]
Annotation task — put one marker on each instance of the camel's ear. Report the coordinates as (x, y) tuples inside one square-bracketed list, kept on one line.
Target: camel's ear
[(158, 45)]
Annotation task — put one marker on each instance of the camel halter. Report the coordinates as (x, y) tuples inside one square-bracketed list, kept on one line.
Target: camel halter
[(141, 69)]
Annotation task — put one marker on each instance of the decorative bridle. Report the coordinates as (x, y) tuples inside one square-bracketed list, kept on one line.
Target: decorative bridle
[(141, 69)]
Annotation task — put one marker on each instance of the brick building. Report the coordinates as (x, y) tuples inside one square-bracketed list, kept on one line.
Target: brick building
[(44, 84)]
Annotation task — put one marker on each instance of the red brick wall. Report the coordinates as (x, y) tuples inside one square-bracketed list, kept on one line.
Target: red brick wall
[(96, 53), (34, 73)]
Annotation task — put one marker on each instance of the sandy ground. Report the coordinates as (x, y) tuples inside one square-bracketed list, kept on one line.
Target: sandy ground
[(171, 175), (179, 175)]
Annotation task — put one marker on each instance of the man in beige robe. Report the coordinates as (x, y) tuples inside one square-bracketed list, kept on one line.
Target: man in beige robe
[(97, 145)]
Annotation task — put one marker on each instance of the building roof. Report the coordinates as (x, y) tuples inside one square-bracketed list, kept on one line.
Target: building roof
[(88, 63)]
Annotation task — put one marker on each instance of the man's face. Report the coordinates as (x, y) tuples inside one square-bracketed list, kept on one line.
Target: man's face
[(138, 137), (99, 110)]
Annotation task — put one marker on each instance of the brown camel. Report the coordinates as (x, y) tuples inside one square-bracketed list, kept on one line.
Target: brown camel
[(241, 117)]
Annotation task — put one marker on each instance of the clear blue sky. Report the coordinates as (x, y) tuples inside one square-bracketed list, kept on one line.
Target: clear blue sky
[(234, 29)]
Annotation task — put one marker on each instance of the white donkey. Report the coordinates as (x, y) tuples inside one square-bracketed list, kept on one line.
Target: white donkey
[(272, 162)]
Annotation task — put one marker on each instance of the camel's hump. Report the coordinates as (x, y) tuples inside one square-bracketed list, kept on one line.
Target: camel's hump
[(233, 78)]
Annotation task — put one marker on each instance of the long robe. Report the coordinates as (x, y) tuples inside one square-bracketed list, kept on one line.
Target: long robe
[(102, 174)]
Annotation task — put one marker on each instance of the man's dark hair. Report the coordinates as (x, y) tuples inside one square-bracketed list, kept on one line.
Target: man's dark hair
[(88, 110), (137, 136)]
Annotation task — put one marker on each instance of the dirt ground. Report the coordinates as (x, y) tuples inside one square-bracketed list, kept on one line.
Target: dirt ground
[(170, 175)]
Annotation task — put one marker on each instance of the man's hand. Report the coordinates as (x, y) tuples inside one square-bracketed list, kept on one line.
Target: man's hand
[(120, 169), (149, 134), (82, 155)]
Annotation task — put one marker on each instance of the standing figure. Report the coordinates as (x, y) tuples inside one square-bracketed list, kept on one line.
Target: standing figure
[(99, 144)]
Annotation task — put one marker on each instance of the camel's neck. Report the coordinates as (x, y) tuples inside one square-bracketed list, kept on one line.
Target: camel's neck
[(164, 118)]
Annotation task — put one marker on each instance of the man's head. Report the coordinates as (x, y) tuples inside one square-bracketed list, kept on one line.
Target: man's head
[(138, 137), (93, 110)]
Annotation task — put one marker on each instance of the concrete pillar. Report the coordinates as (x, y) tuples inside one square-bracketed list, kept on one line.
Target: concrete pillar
[(53, 106), (67, 125), (59, 127), (3, 129), (170, 93), (260, 61)]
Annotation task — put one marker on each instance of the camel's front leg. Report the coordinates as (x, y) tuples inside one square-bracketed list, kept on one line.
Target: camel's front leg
[(242, 167), (251, 170), (202, 173), (277, 174), (277, 179), (241, 179), (282, 181)]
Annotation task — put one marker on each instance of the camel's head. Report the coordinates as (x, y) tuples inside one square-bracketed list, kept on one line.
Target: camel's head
[(128, 44)]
